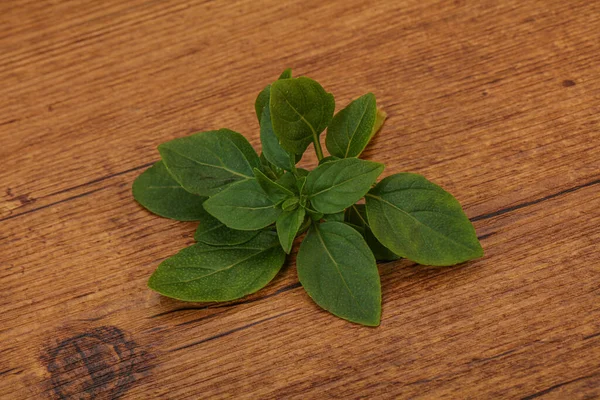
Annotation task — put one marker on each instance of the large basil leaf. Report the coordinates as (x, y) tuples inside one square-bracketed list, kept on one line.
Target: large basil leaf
[(336, 185), (288, 224), (215, 233), (350, 129), (356, 215), (419, 220), (262, 100), (206, 163), (338, 270), (300, 110), (156, 190), (244, 206), (207, 273), (271, 147)]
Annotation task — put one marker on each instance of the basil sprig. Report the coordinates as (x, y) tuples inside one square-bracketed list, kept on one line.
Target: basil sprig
[(251, 208)]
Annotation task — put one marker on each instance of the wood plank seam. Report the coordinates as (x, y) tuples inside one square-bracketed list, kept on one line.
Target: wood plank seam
[(551, 388), (226, 333), (532, 202)]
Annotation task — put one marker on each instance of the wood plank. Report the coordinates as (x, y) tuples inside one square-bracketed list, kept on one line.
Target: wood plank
[(497, 102), (114, 135), (520, 320)]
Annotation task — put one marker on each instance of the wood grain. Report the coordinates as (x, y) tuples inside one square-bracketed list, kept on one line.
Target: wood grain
[(498, 102)]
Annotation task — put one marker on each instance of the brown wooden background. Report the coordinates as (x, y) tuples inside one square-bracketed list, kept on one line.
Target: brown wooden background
[(497, 101)]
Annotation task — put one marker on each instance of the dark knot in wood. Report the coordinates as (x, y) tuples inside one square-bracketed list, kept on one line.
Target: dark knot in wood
[(97, 364)]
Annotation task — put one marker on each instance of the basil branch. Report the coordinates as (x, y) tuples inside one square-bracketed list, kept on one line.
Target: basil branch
[(252, 207), (317, 145)]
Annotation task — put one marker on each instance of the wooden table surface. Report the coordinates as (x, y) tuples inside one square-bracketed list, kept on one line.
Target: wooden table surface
[(496, 101)]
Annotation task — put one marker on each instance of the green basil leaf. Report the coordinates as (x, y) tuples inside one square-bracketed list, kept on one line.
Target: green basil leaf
[(290, 204), (215, 233), (206, 163), (270, 144), (276, 192), (288, 181), (336, 185), (288, 224), (300, 110), (302, 172), (300, 182), (351, 128), (270, 170), (286, 74), (157, 191), (356, 216), (419, 220), (359, 229), (262, 102), (338, 270), (244, 206), (335, 217), (379, 120), (328, 159), (207, 273), (314, 215)]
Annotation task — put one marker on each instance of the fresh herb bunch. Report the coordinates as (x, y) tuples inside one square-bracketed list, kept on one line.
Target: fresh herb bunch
[(251, 208)]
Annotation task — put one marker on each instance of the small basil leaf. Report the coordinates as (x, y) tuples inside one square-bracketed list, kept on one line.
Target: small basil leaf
[(379, 120), (276, 192), (213, 232), (207, 273), (157, 191), (328, 159), (262, 102), (339, 217), (300, 110), (287, 74), (290, 204), (272, 171), (288, 181), (356, 216), (351, 129), (419, 220), (314, 215), (244, 206), (337, 269), (288, 224), (206, 163), (300, 182), (270, 144), (336, 185)]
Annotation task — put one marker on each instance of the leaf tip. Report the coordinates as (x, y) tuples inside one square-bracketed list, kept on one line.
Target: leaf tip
[(372, 321), (152, 282)]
